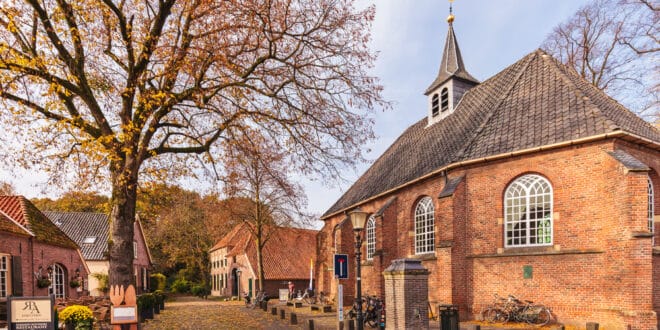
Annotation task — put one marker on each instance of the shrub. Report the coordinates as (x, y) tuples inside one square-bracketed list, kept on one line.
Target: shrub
[(201, 291), (158, 282), (104, 282), (180, 286), (145, 301), (79, 316)]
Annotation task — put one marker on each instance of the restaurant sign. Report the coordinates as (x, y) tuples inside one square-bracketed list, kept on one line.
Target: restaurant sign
[(31, 313)]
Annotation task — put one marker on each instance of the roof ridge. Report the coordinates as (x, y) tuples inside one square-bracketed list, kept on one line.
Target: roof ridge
[(495, 106), (585, 98)]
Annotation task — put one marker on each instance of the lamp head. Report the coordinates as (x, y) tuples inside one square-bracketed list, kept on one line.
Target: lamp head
[(358, 219)]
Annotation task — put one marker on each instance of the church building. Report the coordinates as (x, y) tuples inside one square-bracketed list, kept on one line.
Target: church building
[(533, 183)]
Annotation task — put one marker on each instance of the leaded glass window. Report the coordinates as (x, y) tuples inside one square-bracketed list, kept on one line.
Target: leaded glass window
[(528, 212), (371, 237), (424, 226)]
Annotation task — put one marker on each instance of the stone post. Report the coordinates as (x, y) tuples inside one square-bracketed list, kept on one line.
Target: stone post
[(406, 295)]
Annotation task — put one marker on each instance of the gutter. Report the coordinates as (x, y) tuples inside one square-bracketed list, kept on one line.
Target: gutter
[(451, 166)]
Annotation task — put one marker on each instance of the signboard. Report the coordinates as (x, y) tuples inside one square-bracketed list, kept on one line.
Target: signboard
[(284, 294), (341, 266), (123, 314), (33, 313)]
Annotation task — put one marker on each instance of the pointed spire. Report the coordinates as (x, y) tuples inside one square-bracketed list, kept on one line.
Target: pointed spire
[(452, 62)]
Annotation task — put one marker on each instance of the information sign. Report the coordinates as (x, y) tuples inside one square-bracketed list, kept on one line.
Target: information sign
[(341, 266), (34, 313)]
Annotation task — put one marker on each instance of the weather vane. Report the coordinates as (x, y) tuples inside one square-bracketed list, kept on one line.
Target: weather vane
[(450, 18)]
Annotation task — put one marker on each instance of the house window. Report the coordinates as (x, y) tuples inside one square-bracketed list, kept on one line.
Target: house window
[(651, 210), (371, 237), (444, 96), (424, 226), (4, 276), (435, 105), (528, 212), (58, 278), (134, 250), (89, 240)]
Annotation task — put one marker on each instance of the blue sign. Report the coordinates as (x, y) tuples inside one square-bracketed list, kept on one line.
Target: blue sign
[(341, 266)]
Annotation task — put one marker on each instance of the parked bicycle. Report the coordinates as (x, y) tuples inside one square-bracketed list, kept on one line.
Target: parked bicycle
[(372, 311), (513, 309), (253, 303)]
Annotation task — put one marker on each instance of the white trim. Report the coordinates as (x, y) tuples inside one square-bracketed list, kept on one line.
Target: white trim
[(425, 218), (651, 205), (528, 207), (370, 233)]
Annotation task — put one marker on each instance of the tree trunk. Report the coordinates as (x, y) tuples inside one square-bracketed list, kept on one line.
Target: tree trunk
[(122, 217)]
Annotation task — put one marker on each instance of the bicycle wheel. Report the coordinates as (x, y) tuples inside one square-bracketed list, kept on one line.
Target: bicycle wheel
[(371, 320), (495, 315), (544, 316)]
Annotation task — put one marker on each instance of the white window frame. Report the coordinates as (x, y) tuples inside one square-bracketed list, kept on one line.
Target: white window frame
[(135, 248), (425, 226), (371, 237), (57, 282), (5, 275), (523, 199), (651, 206)]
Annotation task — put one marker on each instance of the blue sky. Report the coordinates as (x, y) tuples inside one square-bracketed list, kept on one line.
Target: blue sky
[(409, 36)]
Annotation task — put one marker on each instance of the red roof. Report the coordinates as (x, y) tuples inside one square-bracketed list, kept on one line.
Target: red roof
[(286, 254), (22, 211)]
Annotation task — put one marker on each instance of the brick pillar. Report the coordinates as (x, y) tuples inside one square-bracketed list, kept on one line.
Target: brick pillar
[(406, 295)]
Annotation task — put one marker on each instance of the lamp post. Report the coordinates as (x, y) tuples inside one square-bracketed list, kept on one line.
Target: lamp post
[(358, 218)]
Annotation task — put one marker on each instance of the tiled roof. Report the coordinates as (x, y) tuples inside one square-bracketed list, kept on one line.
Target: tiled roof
[(81, 225), (450, 187), (22, 211), (535, 102), (11, 226), (451, 64), (286, 255)]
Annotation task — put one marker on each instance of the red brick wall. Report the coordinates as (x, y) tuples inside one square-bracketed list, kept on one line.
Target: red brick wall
[(33, 254), (598, 268), (142, 261)]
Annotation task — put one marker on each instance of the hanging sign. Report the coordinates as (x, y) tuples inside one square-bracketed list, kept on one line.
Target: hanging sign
[(34, 313)]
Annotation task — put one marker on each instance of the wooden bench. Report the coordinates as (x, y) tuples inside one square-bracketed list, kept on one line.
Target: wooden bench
[(321, 308)]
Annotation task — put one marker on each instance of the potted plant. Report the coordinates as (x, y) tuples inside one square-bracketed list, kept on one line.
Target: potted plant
[(145, 304), (160, 299), (74, 283), (43, 282), (77, 317)]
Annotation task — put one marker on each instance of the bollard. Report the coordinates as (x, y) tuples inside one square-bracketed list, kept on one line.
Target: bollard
[(310, 324), (293, 318), (273, 310), (281, 314), (264, 306), (592, 326), (349, 324)]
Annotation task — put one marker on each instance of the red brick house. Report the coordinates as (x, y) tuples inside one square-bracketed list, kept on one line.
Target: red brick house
[(286, 257), (90, 232), (31, 248), (532, 183)]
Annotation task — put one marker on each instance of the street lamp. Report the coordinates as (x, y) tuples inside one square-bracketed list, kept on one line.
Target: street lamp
[(358, 218)]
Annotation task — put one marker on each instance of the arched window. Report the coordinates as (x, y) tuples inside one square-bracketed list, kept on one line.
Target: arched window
[(58, 277), (651, 210), (528, 212), (371, 237), (444, 96), (435, 105), (424, 226)]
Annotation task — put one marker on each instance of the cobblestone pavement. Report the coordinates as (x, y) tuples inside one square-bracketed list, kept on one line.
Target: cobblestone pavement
[(187, 313)]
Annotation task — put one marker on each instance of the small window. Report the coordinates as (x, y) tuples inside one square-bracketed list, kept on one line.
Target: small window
[(371, 237), (651, 210), (528, 212), (424, 226), (89, 240), (435, 105), (445, 99), (4, 276), (58, 277), (134, 250)]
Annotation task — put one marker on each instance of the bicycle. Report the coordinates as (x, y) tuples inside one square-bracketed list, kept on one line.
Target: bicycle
[(432, 317), (372, 308), (253, 303)]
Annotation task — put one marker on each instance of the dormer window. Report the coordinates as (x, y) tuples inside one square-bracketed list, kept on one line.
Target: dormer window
[(435, 105), (445, 99)]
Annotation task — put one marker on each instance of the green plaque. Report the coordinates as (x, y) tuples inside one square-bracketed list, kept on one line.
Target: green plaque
[(527, 271)]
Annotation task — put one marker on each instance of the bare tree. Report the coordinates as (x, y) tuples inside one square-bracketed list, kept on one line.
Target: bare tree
[(614, 45), (7, 189), (258, 171), (115, 92)]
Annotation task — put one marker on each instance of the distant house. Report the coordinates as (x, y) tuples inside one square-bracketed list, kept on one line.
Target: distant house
[(90, 231), (36, 258), (286, 257)]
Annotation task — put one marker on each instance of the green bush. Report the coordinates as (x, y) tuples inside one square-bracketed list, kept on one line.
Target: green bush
[(201, 291), (180, 286), (158, 282), (146, 300)]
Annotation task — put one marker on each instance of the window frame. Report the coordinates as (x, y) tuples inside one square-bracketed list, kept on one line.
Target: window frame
[(370, 237), (518, 209), (58, 281), (425, 235), (5, 276), (435, 105), (444, 99), (651, 206)]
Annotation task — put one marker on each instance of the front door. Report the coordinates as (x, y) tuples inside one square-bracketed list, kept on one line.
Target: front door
[(234, 287)]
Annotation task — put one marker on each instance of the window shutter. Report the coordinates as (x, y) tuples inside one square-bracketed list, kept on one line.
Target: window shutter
[(16, 276)]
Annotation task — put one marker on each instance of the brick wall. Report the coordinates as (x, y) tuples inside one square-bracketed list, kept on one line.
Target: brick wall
[(599, 267)]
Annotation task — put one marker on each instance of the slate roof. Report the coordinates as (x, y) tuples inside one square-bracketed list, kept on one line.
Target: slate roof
[(451, 64), (79, 225), (23, 212), (286, 255), (535, 102), (629, 161)]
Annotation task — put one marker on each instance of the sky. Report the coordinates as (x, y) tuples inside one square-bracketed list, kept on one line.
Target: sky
[(409, 36)]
